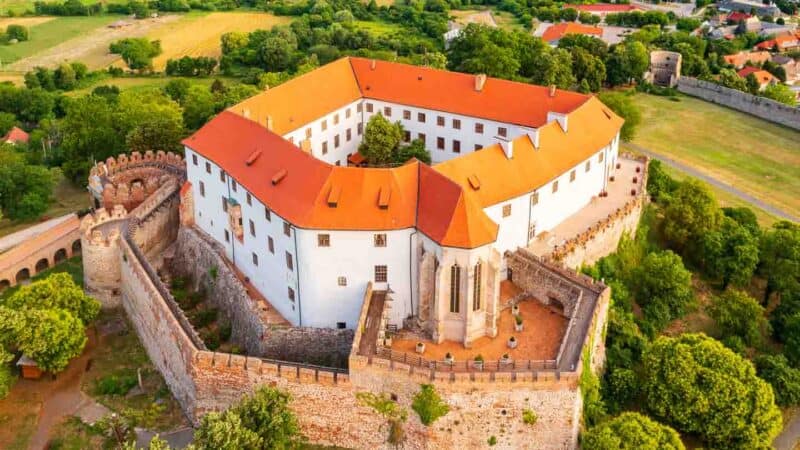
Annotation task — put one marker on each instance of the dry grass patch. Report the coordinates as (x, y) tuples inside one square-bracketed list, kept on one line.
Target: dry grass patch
[(24, 21), (199, 35)]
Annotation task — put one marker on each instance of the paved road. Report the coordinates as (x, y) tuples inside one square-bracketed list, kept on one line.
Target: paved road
[(790, 436), (716, 183)]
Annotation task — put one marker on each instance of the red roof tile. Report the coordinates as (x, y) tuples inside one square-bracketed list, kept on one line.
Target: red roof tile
[(16, 135), (557, 31), (604, 7)]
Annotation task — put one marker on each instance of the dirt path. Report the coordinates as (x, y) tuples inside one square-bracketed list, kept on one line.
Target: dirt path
[(790, 436), (715, 182), (91, 48)]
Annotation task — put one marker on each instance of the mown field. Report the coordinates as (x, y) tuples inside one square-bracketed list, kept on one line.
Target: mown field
[(750, 154), (49, 34), (198, 34)]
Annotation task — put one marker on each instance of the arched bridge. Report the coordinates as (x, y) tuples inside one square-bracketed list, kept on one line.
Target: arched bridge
[(40, 252)]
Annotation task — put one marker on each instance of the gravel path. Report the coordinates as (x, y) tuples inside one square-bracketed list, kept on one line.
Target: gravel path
[(716, 183)]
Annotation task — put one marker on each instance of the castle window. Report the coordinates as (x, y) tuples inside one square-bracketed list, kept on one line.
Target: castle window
[(267, 214), (456, 124), (479, 128), (440, 143), (456, 146), (336, 119), (387, 111), (440, 121), (342, 281), (324, 125), (202, 189), (455, 288), (349, 134), (421, 137), (406, 136), (588, 166), (325, 148), (380, 239), (208, 167), (359, 107), (233, 185), (507, 210), (255, 259), (381, 274), (308, 133), (221, 175), (287, 228), (323, 240), (227, 236), (502, 131), (224, 204), (531, 231), (270, 245), (249, 199), (336, 141), (341, 325), (289, 261), (476, 288), (555, 186), (421, 117), (406, 114), (290, 293), (600, 157), (194, 159), (572, 176), (360, 128), (477, 147), (534, 199), (347, 113), (252, 228), (369, 107)]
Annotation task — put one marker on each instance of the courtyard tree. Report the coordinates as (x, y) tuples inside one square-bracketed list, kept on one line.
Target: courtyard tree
[(631, 431), (57, 291), (381, 138), (624, 107), (695, 384), (51, 337), (738, 314), (784, 378), (663, 288)]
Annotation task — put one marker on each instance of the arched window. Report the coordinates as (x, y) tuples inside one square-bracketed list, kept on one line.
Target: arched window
[(455, 288), (476, 288)]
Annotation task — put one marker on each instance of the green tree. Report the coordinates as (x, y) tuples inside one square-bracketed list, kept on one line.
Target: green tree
[(429, 405), (149, 120), (780, 93), (744, 216), (198, 106), (51, 337), (663, 288), (785, 379), (25, 189), (59, 291), (752, 84), (553, 67), (225, 431), (138, 53), (624, 107), (738, 314), (588, 68), (698, 386), (266, 413), (780, 258), (628, 61), (730, 253), (65, 77), (631, 431), (691, 212), (381, 138), (660, 185), (7, 376), (7, 121), (18, 32), (414, 150)]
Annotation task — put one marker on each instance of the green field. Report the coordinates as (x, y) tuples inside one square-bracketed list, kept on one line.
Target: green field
[(378, 27), (145, 83), (750, 154), (49, 34), (20, 6)]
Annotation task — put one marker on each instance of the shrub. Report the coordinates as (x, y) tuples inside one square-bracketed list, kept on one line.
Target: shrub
[(7, 375), (492, 441), (205, 317), (115, 384), (18, 32), (211, 339), (529, 417), (225, 331), (429, 405)]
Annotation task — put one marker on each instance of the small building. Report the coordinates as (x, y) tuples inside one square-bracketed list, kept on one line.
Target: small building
[(738, 60), (790, 66), (16, 136), (763, 77), (783, 42), (748, 6), (553, 34), (604, 9), (665, 68), (30, 370)]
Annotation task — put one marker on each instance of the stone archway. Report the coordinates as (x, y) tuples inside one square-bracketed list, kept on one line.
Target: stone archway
[(76, 247), (4, 284), (23, 275), (61, 255), (41, 265)]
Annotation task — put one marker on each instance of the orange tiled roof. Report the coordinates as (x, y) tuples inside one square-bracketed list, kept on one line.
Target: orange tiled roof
[(783, 41), (604, 7), (762, 76), (438, 201), (739, 59), (16, 135), (557, 31), (590, 127)]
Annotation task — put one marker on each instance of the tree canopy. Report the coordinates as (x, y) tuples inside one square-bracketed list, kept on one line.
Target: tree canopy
[(631, 431), (738, 314), (698, 386), (663, 288)]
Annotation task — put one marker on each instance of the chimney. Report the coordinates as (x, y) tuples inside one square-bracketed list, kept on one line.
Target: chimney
[(372, 64), (269, 123), (480, 80), (552, 90)]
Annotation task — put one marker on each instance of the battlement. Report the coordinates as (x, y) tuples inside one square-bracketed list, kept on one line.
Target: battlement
[(101, 216), (122, 162)]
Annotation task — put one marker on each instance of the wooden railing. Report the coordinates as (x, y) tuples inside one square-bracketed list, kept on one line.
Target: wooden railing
[(499, 365)]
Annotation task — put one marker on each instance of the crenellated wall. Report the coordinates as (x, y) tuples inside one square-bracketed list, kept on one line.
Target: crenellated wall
[(100, 233)]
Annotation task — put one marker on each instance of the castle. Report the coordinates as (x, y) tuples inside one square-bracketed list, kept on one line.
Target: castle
[(451, 275)]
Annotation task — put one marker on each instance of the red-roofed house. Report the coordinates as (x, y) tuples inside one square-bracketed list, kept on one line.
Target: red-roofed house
[(554, 33), (764, 78), (738, 60), (603, 9), (16, 136), (783, 42), (737, 16)]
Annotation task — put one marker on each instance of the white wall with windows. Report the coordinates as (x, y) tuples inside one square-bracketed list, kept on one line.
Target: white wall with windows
[(333, 136)]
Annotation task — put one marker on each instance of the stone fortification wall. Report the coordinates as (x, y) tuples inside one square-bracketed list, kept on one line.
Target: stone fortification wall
[(764, 108), (602, 238), (100, 234), (253, 328)]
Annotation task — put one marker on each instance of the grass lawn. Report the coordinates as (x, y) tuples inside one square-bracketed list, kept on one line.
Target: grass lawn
[(49, 34), (753, 155), (67, 198), (378, 27), (145, 83)]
